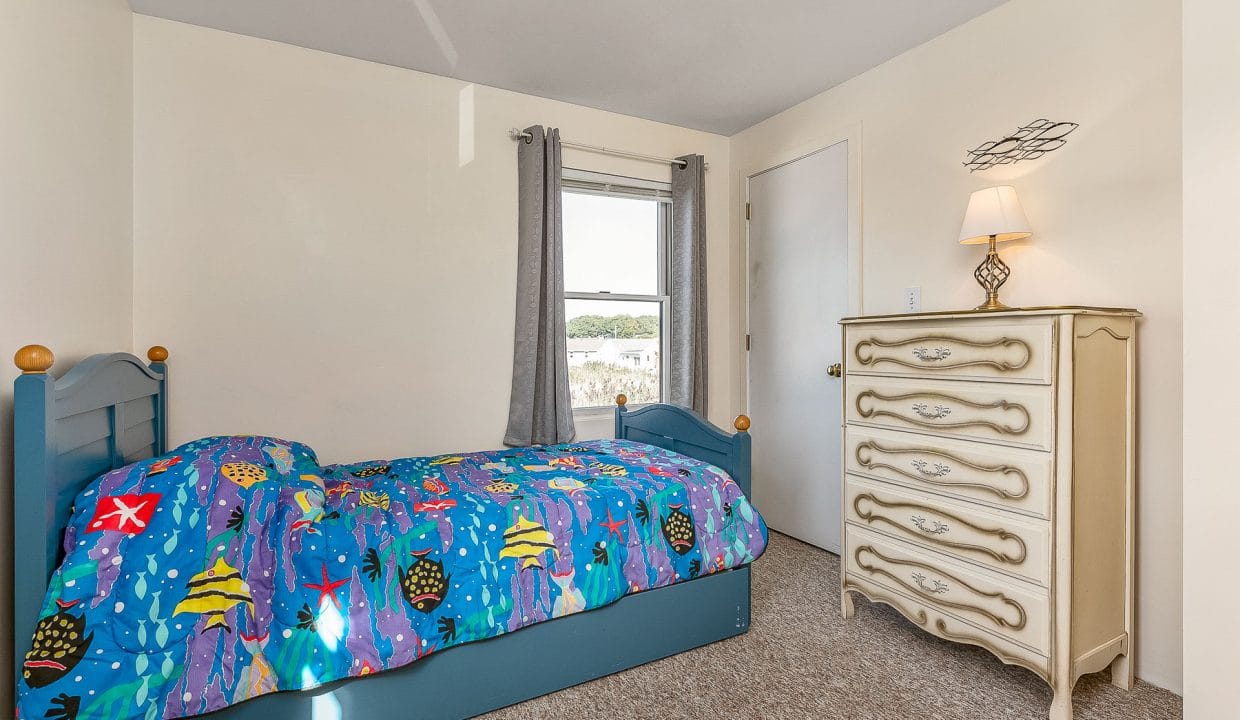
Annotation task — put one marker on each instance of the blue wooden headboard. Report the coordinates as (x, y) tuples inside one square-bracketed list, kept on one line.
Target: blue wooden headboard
[(684, 431), (108, 411)]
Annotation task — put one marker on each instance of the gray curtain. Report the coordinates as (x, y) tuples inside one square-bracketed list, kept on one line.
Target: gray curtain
[(688, 361), (539, 410)]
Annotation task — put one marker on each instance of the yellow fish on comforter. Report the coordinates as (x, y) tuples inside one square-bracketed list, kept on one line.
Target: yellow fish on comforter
[(528, 541), (213, 591)]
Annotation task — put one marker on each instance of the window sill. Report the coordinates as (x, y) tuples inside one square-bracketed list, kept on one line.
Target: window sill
[(593, 413), (607, 411)]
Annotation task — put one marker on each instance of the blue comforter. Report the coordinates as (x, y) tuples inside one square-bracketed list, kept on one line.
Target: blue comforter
[(238, 566)]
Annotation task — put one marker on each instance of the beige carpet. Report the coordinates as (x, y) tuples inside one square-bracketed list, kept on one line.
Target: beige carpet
[(801, 660)]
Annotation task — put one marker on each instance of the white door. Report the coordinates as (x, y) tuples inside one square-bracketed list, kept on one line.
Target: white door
[(798, 291)]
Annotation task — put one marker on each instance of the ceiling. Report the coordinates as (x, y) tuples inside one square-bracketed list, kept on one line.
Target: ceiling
[(714, 65)]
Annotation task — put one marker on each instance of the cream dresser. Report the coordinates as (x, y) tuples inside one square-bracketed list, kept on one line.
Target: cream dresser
[(988, 482)]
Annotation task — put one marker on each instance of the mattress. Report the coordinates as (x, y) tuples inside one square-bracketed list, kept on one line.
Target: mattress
[(236, 566)]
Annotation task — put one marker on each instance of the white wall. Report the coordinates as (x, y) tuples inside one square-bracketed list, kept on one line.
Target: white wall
[(1211, 341), (327, 246), (1105, 209), (65, 204)]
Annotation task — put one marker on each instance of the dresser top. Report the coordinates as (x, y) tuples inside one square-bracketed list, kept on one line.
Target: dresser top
[(1013, 312)]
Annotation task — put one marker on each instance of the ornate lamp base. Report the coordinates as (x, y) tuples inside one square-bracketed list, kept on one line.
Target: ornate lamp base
[(991, 274), (992, 303)]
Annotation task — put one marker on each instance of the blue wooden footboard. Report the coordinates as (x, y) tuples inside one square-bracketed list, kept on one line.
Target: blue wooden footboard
[(110, 410)]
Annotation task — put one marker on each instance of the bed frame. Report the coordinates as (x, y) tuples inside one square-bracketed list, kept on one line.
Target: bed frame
[(110, 410)]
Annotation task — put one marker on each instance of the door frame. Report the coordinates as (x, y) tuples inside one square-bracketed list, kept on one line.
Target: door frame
[(850, 134)]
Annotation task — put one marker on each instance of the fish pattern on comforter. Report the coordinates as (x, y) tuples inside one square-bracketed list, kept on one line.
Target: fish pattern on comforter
[(236, 566)]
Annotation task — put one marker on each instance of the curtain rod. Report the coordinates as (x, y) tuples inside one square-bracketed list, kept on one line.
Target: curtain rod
[(516, 134)]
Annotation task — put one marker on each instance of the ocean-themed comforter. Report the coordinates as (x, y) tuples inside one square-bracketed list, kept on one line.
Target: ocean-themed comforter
[(237, 566)]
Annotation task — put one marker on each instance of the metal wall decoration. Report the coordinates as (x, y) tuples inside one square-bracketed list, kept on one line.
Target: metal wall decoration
[(1029, 142)]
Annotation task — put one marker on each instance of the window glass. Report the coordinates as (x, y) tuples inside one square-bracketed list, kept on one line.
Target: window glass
[(611, 244), (614, 346)]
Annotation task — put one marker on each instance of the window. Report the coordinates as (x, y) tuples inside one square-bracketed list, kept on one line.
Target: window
[(616, 238)]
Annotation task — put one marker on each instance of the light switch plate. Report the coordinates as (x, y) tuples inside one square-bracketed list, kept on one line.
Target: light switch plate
[(912, 299)]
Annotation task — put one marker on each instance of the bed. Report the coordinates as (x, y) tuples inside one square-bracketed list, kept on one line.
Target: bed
[(111, 410)]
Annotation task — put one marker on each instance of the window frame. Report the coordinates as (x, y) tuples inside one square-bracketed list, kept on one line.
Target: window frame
[(586, 182)]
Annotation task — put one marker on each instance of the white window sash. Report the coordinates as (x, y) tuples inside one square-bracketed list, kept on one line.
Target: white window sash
[(592, 183)]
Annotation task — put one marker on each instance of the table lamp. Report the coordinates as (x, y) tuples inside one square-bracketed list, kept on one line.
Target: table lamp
[(994, 215)]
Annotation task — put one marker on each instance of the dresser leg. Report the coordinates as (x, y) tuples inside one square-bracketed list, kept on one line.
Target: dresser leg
[(1061, 706), (1122, 672), (846, 605)]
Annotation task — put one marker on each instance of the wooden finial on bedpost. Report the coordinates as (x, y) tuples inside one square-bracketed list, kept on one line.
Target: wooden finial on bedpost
[(741, 423), (34, 359), (621, 412), (158, 355)]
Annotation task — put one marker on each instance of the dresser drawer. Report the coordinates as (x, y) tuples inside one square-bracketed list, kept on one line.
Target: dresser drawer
[(1016, 414), (997, 476), (1004, 607), (990, 538), (947, 627), (1011, 350)]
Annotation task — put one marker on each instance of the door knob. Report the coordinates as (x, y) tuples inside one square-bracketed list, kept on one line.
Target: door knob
[(835, 370)]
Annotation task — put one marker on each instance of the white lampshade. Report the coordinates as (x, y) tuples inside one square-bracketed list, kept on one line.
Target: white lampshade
[(994, 211)]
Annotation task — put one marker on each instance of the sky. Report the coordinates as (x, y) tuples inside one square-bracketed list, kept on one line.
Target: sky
[(610, 244)]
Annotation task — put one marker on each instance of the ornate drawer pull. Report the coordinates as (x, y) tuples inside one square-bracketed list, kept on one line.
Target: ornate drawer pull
[(937, 588), (865, 458), (936, 528), (940, 528), (1021, 617), (864, 352), (928, 355), (939, 469), (941, 411)]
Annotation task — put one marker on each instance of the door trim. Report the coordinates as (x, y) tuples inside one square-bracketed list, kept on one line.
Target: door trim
[(850, 134)]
